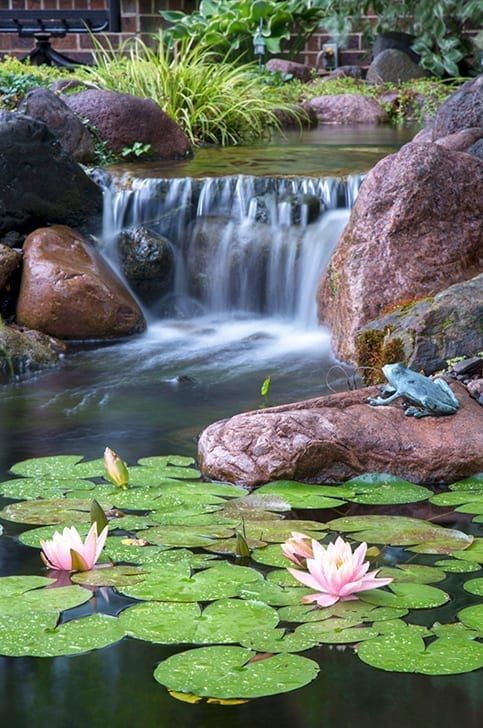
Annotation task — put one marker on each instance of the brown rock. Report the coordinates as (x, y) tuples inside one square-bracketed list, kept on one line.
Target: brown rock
[(297, 70), (347, 109), (424, 136), (461, 140), (9, 262), (22, 351), (334, 438), (122, 120), (462, 110), (69, 291), (475, 388), (415, 229), (394, 66), (44, 105)]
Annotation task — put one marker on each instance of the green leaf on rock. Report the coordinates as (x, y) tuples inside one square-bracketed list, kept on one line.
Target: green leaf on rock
[(229, 672)]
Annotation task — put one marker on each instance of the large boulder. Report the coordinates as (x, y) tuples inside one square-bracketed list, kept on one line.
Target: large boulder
[(39, 182), (289, 68), (69, 291), (147, 260), (347, 109), (334, 438), (462, 110), (394, 66), (121, 120), (22, 350), (427, 333), (415, 229), (43, 105)]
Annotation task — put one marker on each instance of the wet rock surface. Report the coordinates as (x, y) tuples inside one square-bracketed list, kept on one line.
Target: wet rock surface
[(122, 120), (462, 110), (10, 260), (147, 261), (46, 106), (23, 350), (39, 182), (347, 109), (331, 439), (415, 230), (289, 68), (68, 291), (394, 66)]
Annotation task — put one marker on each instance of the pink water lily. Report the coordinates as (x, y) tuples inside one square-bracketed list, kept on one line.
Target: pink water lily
[(298, 548), (337, 573), (67, 552)]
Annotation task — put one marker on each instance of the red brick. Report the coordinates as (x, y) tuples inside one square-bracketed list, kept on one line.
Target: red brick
[(129, 24), (129, 7), (146, 7)]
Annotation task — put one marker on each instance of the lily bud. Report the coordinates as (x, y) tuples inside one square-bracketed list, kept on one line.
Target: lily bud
[(116, 469)]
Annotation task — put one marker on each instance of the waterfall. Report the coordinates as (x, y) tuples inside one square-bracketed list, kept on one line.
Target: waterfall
[(242, 244)]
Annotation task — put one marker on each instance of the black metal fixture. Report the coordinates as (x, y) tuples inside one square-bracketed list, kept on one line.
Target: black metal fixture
[(259, 44)]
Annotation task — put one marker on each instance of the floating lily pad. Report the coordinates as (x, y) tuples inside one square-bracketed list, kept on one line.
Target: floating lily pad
[(160, 461), (11, 586), (34, 536), (229, 672), (149, 476), (35, 636), (58, 466), (405, 651), (457, 566), (256, 506), (344, 633), (382, 488), (187, 489), (415, 573), (109, 576), (57, 511), (175, 583), (230, 546), (402, 531), (130, 523), (189, 536), (473, 553), (279, 531), (23, 488), (474, 586), (355, 611), (225, 621), (455, 498), (473, 483), (406, 596), (284, 578), (50, 599), (271, 555), (301, 495), (472, 617), (279, 641), (134, 553), (273, 594), (454, 630)]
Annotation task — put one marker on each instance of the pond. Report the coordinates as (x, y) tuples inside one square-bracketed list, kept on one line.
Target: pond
[(204, 357)]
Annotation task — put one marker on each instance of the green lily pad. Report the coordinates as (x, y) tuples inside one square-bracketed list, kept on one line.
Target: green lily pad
[(23, 488), (301, 495), (229, 672), (130, 523), (402, 531), (57, 511), (189, 536), (175, 583), (406, 596), (58, 466), (11, 586), (109, 576), (230, 546), (34, 536), (474, 586), (160, 461), (454, 630), (405, 651), (150, 476), (382, 488), (273, 594), (279, 641), (50, 599), (473, 483), (457, 566), (35, 637), (473, 553), (353, 610), (225, 621), (186, 489), (279, 531), (415, 573), (475, 507), (255, 506), (271, 555), (455, 498), (340, 634), (154, 555), (472, 617)]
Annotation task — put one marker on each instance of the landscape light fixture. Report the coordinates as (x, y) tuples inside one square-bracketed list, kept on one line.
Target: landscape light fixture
[(259, 44)]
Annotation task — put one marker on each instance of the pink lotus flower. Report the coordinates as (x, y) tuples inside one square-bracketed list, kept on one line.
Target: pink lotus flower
[(66, 552), (298, 548), (337, 573)]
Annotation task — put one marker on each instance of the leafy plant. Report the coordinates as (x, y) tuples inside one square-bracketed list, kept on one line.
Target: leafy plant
[(213, 99), (230, 25), (18, 78), (138, 149)]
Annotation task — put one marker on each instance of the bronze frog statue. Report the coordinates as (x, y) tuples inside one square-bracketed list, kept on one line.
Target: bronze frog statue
[(426, 396)]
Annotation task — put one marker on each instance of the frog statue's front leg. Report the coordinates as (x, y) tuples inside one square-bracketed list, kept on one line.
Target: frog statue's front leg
[(417, 412), (377, 401)]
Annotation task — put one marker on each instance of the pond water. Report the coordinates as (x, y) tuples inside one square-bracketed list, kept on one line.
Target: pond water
[(205, 355)]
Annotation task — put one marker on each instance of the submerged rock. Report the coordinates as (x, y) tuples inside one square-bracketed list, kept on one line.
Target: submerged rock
[(347, 109), (429, 332), (123, 120), (331, 439), (70, 292), (23, 350), (39, 182), (415, 229)]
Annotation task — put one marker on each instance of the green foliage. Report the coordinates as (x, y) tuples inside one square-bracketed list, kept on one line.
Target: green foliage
[(213, 99), (17, 78), (436, 24), (138, 149), (229, 26)]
